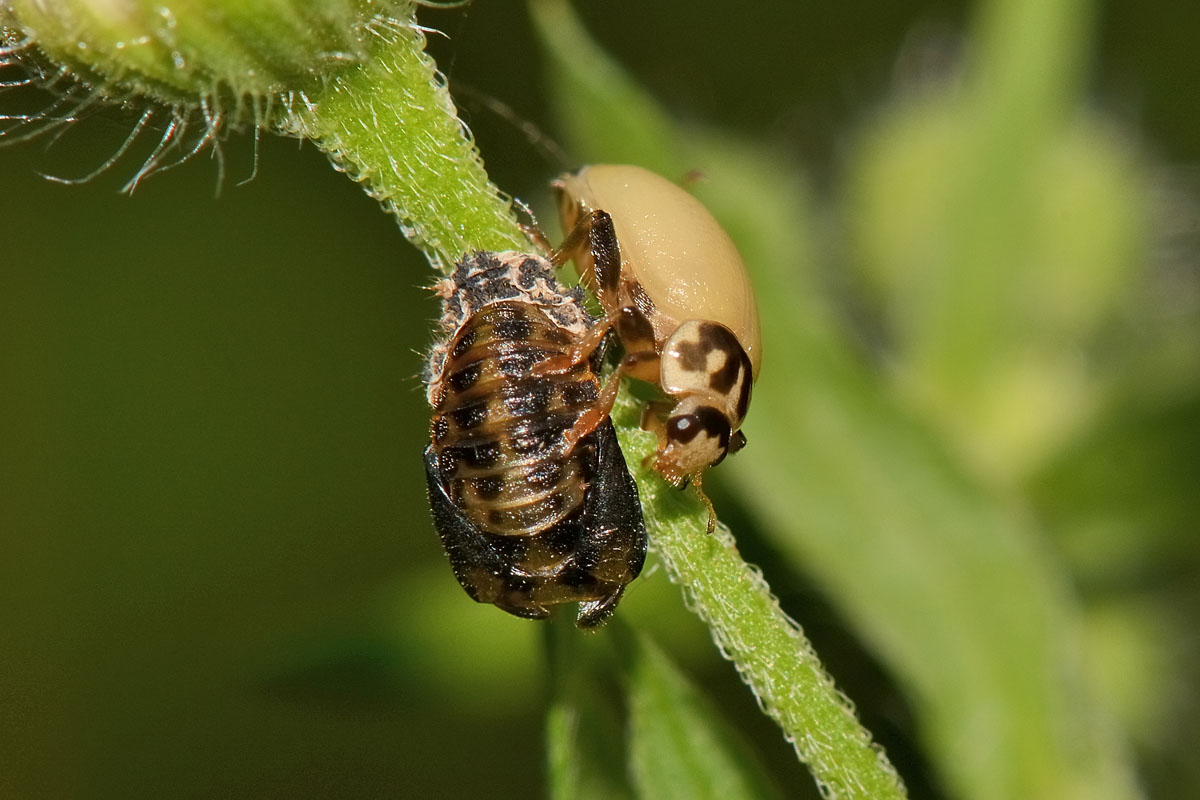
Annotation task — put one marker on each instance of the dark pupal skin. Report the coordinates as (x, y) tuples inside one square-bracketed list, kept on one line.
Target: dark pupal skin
[(527, 483)]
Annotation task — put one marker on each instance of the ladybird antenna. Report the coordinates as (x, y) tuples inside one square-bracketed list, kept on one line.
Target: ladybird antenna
[(526, 210), (550, 150), (532, 230)]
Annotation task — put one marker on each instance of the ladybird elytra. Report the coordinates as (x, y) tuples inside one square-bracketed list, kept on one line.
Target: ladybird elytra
[(671, 247), (527, 483)]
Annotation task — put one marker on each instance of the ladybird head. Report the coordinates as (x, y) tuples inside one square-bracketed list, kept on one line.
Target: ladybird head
[(705, 368), (696, 436)]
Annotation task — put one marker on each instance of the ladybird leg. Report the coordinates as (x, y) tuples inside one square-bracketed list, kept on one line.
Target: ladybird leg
[(666, 469), (712, 512), (642, 365), (531, 229), (636, 333), (578, 353), (653, 415), (595, 416), (573, 246), (606, 258), (592, 244), (593, 613), (654, 421), (534, 234)]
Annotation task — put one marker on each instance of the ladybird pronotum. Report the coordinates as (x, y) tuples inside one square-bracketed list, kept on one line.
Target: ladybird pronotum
[(528, 486), (678, 296)]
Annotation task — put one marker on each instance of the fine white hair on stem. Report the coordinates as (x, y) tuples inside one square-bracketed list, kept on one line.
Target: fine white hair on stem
[(60, 111), (218, 155), (546, 146), (187, 132), (254, 164), (142, 122), (14, 49), (65, 100), (71, 102), (148, 165), (170, 152), (188, 125)]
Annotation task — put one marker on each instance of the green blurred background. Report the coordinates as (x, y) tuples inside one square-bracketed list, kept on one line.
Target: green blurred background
[(218, 577)]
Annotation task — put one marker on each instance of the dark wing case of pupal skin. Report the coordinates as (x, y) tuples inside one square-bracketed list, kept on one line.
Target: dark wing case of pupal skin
[(527, 521), (597, 550)]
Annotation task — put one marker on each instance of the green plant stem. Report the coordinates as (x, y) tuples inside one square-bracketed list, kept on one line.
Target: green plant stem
[(389, 123), (766, 646)]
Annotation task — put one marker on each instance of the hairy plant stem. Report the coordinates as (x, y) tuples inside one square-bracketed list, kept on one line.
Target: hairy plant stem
[(766, 646), (389, 123)]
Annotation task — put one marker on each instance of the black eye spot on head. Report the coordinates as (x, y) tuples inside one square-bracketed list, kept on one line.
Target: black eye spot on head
[(684, 428)]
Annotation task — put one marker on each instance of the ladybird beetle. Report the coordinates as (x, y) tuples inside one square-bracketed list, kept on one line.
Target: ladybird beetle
[(529, 490), (678, 296)]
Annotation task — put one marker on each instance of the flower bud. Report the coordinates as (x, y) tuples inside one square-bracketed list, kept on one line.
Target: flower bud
[(183, 53)]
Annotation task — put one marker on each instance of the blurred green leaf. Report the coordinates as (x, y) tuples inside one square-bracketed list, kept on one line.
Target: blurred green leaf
[(999, 226), (585, 737), (947, 582), (679, 747)]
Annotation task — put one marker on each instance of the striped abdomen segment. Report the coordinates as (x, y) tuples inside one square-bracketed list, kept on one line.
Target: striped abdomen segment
[(499, 430)]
